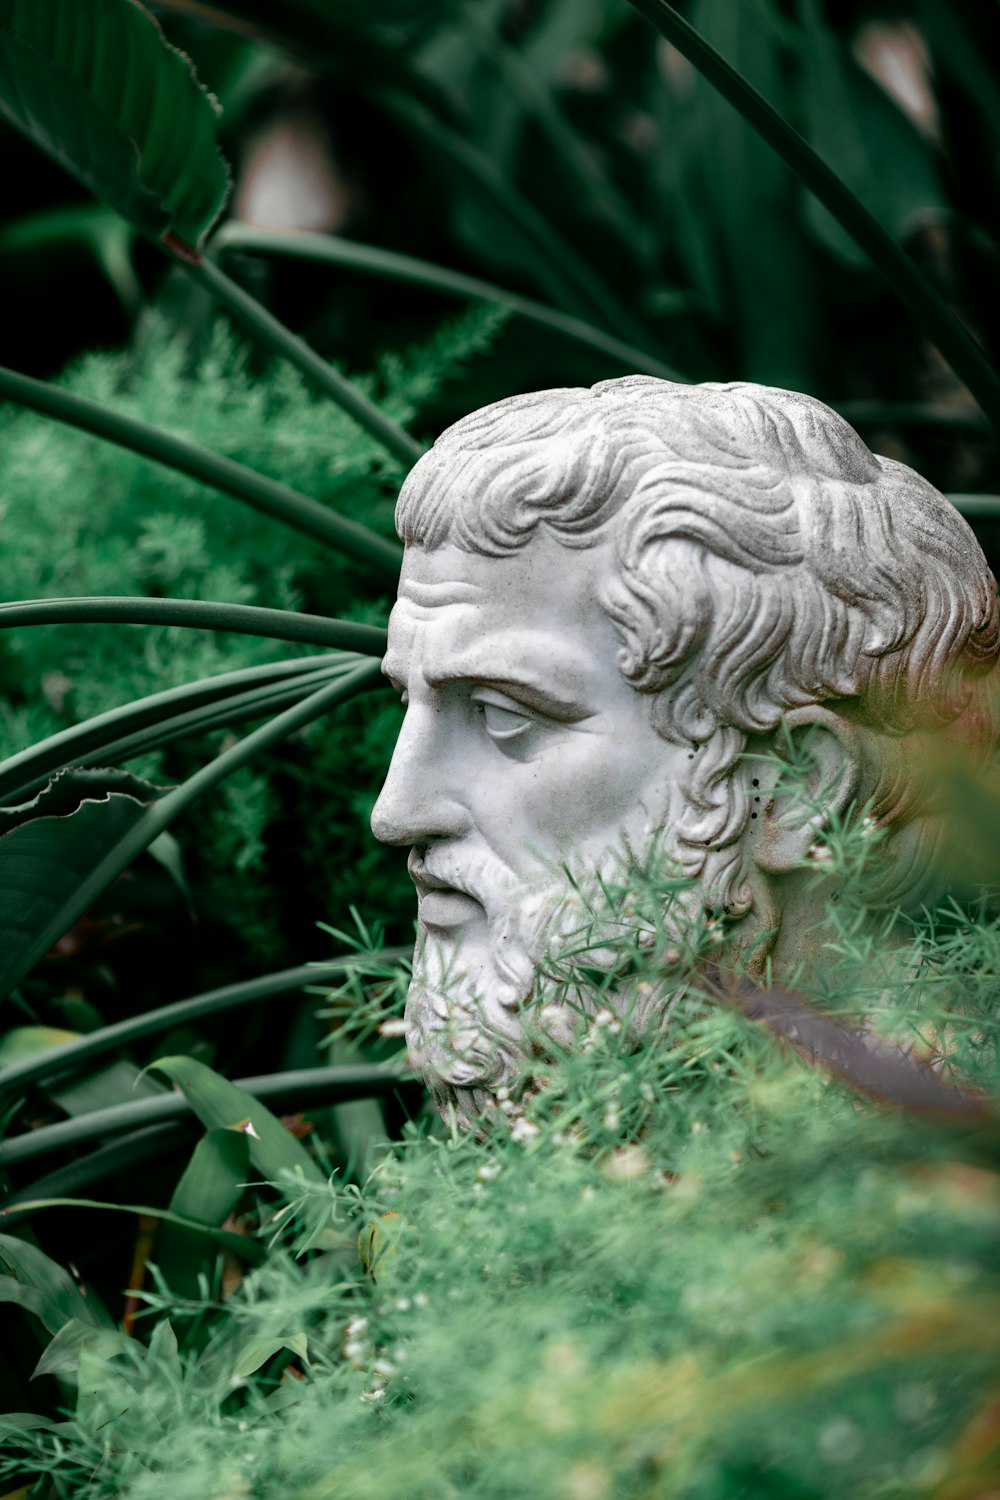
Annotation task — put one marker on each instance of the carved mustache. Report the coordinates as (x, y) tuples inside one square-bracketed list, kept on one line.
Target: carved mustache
[(483, 879)]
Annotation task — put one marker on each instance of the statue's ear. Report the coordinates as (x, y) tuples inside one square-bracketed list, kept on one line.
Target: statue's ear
[(807, 775)]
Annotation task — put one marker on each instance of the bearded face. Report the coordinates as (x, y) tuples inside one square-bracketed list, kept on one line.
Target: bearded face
[(526, 769), (478, 999)]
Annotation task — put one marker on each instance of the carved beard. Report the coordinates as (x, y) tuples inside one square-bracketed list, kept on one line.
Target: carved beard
[(465, 1010)]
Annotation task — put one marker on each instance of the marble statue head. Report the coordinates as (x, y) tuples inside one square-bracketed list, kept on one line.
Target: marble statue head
[(615, 603)]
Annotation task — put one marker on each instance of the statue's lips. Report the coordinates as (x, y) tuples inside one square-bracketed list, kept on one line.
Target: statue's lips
[(441, 904)]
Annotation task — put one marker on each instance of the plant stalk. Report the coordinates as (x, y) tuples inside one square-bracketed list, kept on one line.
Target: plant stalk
[(180, 1013), (256, 490), (276, 337), (198, 614), (373, 261), (315, 1085)]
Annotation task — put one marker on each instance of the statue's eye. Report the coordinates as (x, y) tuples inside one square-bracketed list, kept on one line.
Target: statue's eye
[(503, 719)]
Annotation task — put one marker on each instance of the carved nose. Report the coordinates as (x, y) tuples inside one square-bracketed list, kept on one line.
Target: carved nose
[(420, 800)]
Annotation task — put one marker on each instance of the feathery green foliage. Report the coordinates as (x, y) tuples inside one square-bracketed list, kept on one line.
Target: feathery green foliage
[(695, 1269)]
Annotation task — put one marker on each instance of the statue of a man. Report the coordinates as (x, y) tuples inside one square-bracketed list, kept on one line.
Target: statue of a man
[(614, 604)]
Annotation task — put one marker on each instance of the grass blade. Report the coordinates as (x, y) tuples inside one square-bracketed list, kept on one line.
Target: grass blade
[(373, 261), (301, 1087), (256, 490), (930, 311), (209, 1190)]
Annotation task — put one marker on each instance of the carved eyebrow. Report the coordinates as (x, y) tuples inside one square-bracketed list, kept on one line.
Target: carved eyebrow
[(553, 704)]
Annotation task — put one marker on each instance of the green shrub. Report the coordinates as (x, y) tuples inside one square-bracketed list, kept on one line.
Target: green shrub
[(705, 1272)]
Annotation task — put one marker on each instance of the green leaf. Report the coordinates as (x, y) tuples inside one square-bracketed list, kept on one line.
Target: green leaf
[(865, 138), (273, 1150), (105, 1086), (209, 1190), (95, 84), (932, 313), (13, 1422), (52, 1294), (47, 846), (62, 1355)]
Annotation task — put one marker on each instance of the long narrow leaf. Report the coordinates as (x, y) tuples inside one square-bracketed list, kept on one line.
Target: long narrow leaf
[(239, 1244), (929, 309), (181, 1013), (319, 372), (236, 709), (256, 490), (209, 1190), (329, 249), (222, 1105), (58, 1297), (21, 772), (304, 1086), (198, 614)]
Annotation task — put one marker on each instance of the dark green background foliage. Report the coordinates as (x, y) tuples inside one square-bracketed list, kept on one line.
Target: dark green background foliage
[(704, 1270)]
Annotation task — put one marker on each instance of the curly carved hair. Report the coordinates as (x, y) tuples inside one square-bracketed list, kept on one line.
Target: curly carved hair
[(767, 560)]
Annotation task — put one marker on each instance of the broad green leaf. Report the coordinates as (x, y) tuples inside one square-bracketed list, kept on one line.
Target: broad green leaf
[(273, 1150), (46, 848), (867, 140), (209, 1190), (54, 1296), (95, 84)]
